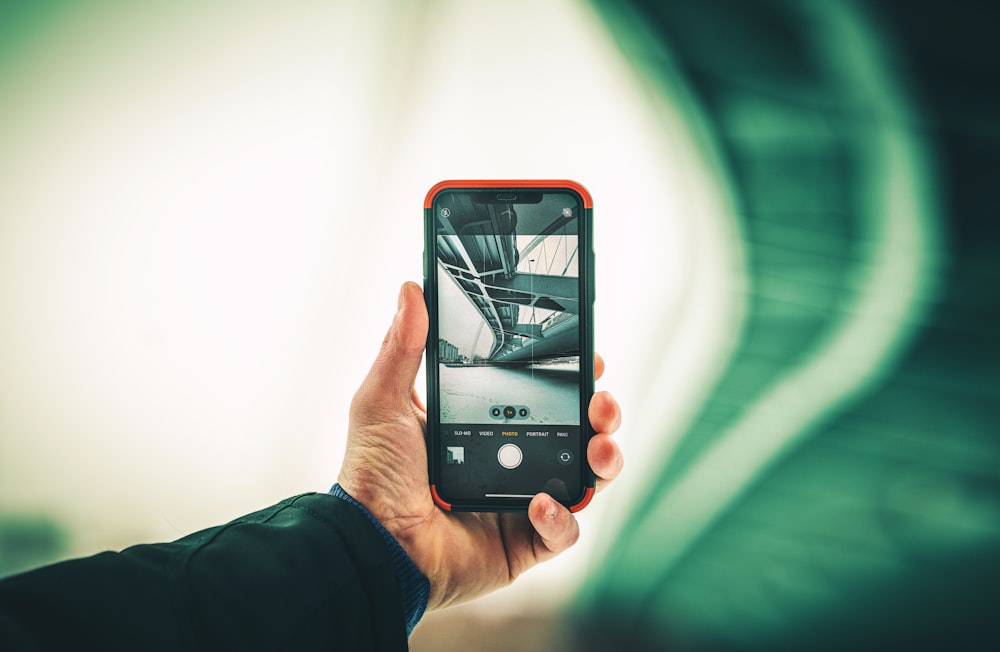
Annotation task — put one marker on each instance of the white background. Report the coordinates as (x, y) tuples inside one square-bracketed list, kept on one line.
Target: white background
[(206, 211)]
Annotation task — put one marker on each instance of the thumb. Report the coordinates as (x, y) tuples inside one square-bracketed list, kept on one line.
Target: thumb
[(389, 384)]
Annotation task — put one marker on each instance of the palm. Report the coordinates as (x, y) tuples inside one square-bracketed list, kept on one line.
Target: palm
[(385, 468), (438, 541)]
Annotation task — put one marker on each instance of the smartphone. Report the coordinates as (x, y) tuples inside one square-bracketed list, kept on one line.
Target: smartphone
[(509, 285)]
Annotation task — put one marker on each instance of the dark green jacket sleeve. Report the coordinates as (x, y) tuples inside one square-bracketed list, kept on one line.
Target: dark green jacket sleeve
[(309, 573)]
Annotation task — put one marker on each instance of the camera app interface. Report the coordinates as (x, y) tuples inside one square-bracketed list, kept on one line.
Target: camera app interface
[(509, 344)]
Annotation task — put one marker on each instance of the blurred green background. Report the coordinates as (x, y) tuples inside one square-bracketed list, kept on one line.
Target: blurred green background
[(206, 210)]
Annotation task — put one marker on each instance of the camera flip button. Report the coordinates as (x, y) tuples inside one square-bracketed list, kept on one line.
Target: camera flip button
[(510, 456)]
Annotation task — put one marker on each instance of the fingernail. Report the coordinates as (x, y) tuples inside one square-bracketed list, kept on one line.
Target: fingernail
[(399, 299), (551, 511)]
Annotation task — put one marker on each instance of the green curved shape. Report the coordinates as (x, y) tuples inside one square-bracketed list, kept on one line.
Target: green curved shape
[(837, 197)]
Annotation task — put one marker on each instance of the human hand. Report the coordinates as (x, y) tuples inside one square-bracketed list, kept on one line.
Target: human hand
[(463, 555)]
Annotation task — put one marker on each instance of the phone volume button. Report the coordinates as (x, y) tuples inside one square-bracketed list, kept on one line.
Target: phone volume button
[(592, 278)]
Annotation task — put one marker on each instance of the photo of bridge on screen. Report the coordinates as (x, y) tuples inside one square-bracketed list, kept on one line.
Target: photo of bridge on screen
[(509, 308)]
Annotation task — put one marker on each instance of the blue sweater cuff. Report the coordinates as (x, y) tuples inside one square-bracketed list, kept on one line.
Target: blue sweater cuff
[(416, 589)]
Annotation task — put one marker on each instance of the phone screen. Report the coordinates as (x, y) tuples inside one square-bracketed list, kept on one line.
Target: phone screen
[(508, 416)]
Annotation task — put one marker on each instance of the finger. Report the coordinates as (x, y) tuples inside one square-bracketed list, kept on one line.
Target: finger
[(555, 528), (605, 415), (603, 454), (605, 458), (598, 366), (390, 381)]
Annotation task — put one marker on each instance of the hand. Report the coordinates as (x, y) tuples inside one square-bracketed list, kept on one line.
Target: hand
[(463, 555)]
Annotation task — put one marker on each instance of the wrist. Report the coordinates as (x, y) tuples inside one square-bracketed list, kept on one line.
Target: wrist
[(413, 584), (409, 522)]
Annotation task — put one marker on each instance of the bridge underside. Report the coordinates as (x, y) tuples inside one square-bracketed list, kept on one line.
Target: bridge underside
[(477, 247)]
